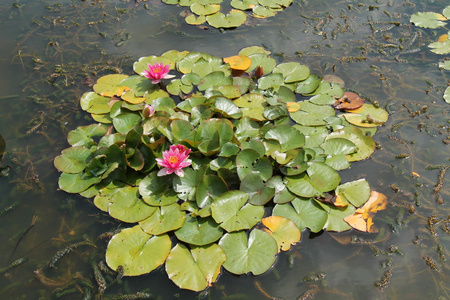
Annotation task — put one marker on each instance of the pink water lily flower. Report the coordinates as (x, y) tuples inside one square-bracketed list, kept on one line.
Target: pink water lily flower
[(156, 72), (148, 111), (174, 160)]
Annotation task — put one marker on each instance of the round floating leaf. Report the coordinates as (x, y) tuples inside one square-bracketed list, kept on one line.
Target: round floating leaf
[(186, 186), (127, 206), (232, 213), (292, 71), (227, 107), (230, 91), (440, 47), (365, 144), (83, 135), (308, 85), (126, 121), (142, 64), (194, 20), (131, 98), (73, 160), (110, 85), (157, 190), (254, 186), (204, 10), (94, 103), (136, 251), (261, 11), (238, 62), (336, 216), (252, 106), (320, 178), (338, 146), (428, 19), (447, 95), (214, 80), (288, 137), (77, 183), (234, 18), (274, 80), (196, 269), (255, 254), (356, 192), (283, 230), (199, 231), (282, 194), (164, 219), (367, 116), (248, 161), (311, 114), (139, 85), (208, 189), (244, 4), (305, 213), (247, 51), (260, 59)]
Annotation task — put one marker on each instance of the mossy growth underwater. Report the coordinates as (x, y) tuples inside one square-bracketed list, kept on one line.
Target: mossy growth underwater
[(222, 165)]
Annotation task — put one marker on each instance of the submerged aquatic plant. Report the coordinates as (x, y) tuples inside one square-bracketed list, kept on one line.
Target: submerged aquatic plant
[(267, 144), (174, 160), (157, 72)]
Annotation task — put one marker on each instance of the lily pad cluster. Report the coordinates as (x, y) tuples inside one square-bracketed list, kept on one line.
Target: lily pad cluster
[(442, 45), (209, 11), (265, 144)]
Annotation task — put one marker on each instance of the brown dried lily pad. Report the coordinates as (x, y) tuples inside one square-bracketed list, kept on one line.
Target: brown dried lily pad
[(349, 101)]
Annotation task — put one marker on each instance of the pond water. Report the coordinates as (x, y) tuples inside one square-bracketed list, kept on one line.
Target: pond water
[(52, 50)]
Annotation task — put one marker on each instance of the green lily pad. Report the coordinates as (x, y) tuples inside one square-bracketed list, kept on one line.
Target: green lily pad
[(136, 251), (428, 19), (274, 81), (195, 269), (204, 10), (252, 106), (195, 20), (125, 122), (367, 116), (356, 192), (208, 189), (227, 107), (244, 4), (320, 178), (234, 18), (214, 80), (309, 85), (255, 254), (199, 231), (163, 219), (212, 134), (282, 194), (447, 95), (304, 212), (110, 85), (261, 59), (94, 103), (127, 206), (250, 161), (336, 216), (77, 183), (283, 230), (440, 47), (142, 64), (288, 137), (73, 160), (83, 135), (365, 144), (292, 71), (232, 213), (186, 186), (258, 192), (157, 190)]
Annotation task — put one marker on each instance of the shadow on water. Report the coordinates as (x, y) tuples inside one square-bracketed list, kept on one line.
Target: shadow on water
[(52, 52)]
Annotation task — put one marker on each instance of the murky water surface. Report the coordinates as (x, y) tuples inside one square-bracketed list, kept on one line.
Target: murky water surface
[(52, 50)]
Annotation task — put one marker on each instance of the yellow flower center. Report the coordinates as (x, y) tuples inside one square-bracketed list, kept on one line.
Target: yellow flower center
[(173, 159), (157, 70)]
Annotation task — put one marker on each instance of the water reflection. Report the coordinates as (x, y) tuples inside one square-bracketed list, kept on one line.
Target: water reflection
[(59, 59)]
